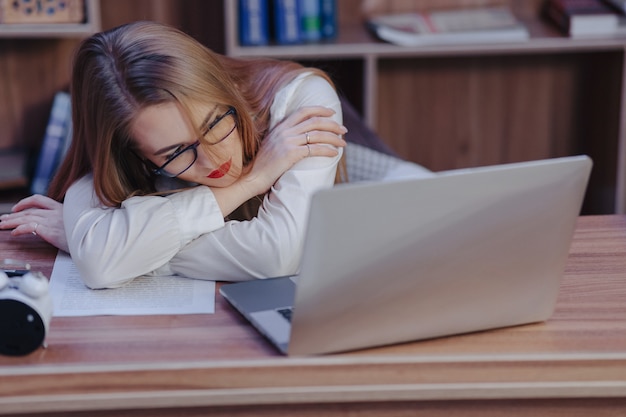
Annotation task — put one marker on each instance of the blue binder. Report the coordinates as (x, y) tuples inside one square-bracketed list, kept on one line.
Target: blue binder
[(286, 21), (328, 12), (253, 22)]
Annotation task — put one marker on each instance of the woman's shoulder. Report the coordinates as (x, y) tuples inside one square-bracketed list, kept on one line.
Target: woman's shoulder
[(306, 83), (307, 89), (82, 192), (82, 184)]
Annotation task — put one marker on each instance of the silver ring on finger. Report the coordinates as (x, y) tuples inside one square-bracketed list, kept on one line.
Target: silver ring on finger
[(308, 149), (35, 229), (308, 138)]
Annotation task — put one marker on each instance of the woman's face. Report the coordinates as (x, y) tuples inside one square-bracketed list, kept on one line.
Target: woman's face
[(162, 130)]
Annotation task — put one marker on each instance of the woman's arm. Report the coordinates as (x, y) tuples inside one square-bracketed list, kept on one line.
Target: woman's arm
[(40, 215), (285, 144), (149, 232), (112, 246), (280, 151), (270, 244)]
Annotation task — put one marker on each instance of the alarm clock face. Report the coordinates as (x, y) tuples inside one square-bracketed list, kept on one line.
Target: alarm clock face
[(21, 327)]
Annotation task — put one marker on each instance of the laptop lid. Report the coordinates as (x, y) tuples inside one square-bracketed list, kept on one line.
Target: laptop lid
[(463, 251)]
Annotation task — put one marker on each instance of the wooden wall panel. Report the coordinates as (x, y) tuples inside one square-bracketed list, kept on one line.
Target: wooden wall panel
[(203, 20), (443, 112), (448, 113), (31, 71), (117, 12), (599, 115)]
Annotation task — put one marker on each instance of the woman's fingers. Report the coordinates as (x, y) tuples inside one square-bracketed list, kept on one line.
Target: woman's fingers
[(319, 150), (310, 119), (32, 216), (320, 124), (30, 209), (35, 201), (307, 112), (329, 138), (22, 221), (28, 228)]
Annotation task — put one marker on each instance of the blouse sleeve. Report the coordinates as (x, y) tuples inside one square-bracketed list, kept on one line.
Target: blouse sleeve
[(112, 246), (270, 244)]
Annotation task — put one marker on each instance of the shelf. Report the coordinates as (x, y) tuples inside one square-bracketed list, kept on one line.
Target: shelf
[(462, 105), (354, 41), (56, 30)]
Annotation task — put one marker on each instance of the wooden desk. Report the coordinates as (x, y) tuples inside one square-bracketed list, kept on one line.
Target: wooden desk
[(574, 364)]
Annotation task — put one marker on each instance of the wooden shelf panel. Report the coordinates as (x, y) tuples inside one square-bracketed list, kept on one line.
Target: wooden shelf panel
[(354, 40), (46, 31), (338, 51), (551, 90)]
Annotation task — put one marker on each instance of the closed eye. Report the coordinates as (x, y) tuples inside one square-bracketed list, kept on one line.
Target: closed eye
[(175, 151), (210, 121)]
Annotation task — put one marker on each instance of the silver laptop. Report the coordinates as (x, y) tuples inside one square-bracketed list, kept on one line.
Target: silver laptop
[(390, 262)]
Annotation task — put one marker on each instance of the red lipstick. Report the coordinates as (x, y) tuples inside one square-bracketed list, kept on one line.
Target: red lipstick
[(221, 171)]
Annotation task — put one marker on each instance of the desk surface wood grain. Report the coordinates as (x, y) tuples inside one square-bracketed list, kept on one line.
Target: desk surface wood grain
[(218, 360)]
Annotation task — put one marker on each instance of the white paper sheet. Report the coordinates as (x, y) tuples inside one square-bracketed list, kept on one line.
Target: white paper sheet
[(143, 296)]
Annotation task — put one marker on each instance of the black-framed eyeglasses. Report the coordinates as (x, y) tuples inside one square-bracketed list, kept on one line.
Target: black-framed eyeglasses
[(184, 158)]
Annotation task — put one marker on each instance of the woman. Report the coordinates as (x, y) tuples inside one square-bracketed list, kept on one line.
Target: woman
[(185, 162)]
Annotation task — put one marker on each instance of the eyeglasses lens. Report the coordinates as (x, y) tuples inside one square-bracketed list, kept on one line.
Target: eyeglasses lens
[(182, 162), (222, 129)]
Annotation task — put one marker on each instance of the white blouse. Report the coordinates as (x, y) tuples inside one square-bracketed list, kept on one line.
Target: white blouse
[(185, 234)]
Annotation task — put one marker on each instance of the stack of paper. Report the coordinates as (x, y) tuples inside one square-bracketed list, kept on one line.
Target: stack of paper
[(445, 27)]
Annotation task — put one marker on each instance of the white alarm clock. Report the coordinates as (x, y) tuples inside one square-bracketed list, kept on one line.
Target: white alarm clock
[(25, 312)]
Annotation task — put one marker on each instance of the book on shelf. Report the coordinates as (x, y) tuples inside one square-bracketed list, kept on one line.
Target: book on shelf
[(328, 13), (286, 22), (253, 22), (584, 18), (310, 20), (449, 27), (286, 26), (54, 144), (318, 20), (13, 168), (620, 5)]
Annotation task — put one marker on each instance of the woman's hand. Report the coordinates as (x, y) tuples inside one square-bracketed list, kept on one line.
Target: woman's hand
[(38, 215), (306, 132)]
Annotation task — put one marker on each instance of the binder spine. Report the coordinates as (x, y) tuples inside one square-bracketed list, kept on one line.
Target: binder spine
[(310, 22), (253, 22), (286, 21), (328, 13), (53, 143)]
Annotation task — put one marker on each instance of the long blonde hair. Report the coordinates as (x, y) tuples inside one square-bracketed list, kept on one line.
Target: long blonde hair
[(119, 72)]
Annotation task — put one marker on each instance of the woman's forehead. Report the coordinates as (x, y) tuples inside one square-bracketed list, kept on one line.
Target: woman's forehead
[(160, 126), (168, 124)]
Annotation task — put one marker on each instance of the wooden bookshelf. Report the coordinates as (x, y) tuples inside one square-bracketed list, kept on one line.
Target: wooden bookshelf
[(443, 107), (90, 25), (458, 106), (34, 65), (35, 62)]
